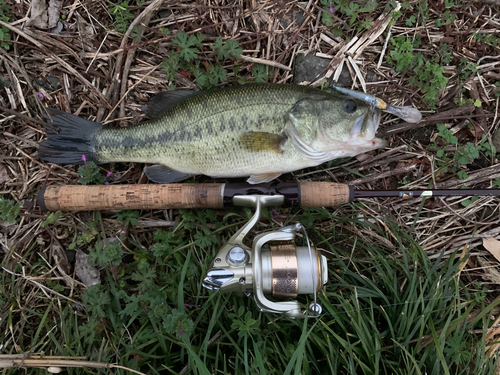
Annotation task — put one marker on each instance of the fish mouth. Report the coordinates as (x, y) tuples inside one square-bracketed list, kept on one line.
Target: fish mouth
[(365, 126)]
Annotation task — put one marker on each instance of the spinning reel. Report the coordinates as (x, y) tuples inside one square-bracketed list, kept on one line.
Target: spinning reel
[(274, 266)]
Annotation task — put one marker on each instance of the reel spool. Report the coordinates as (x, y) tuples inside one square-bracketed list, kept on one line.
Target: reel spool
[(274, 266)]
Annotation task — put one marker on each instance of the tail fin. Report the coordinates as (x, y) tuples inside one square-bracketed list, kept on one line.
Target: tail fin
[(76, 137)]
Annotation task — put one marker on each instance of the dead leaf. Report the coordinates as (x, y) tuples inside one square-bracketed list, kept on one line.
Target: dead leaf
[(84, 271), (490, 272), (57, 30), (4, 175), (60, 257), (54, 11), (493, 246), (85, 29), (45, 16), (39, 16)]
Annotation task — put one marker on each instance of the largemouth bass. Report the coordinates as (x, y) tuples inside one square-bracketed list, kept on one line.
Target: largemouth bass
[(258, 130)]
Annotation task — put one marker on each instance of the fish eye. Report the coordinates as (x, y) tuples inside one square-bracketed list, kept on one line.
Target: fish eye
[(349, 106)]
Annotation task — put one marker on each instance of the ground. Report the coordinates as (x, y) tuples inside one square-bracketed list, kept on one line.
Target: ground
[(412, 282)]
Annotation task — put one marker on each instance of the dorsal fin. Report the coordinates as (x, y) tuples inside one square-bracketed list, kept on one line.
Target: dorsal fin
[(166, 100)]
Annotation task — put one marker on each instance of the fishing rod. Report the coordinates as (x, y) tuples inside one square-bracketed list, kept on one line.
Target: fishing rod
[(221, 195), (278, 265)]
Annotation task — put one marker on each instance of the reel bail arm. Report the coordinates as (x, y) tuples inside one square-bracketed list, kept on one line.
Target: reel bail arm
[(273, 266)]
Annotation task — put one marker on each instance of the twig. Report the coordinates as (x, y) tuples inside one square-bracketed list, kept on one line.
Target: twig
[(481, 175), (265, 62), (63, 63), (28, 360), (125, 94), (22, 117), (144, 18), (378, 176), (491, 2)]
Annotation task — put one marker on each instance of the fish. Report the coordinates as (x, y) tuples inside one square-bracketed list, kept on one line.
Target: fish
[(258, 131)]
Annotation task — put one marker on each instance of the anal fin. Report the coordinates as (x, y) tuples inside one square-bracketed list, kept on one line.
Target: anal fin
[(263, 177), (165, 175)]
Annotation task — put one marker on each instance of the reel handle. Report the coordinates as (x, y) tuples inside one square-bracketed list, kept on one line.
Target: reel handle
[(217, 195)]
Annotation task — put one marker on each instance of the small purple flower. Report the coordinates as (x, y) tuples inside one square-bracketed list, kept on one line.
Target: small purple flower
[(84, 158), (106, 183), (331, 8), (181, 331), (41, 96), (274, 212), (109, 174)]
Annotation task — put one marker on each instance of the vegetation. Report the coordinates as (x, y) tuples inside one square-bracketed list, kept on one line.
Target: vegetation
[(411, 288), (185, 58), (5, 35), (391, 309), (9, 210)]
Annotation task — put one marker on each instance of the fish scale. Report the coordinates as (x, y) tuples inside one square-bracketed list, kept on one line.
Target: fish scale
[(259, 130), (203, 133)]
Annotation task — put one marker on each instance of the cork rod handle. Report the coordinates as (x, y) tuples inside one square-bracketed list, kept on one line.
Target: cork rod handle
[(130, 197), (325, 194)]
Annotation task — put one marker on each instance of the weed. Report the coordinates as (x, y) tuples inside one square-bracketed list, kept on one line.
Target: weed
[(446, 18), (428, 75), (129, 217), (462, 154), (90, 174), (226, 50), (103, 255), (185, 58), (170, 65), (96, 298), (469, 201), (244, 323), (178, 323), (5, 36), (353, 10), (491, 39), (466, 69), (85, 237), (446, 134), (52, 218), (211, 78), (467, 154), (187, 45), (9, 210), (259, 72), (121, 15), (404, 181)]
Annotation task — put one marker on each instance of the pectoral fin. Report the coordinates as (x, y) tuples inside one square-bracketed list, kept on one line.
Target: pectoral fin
[(264, 177), (164, 175), (262, 142)]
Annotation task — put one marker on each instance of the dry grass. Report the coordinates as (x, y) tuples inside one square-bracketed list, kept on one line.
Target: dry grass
[(110, 75)]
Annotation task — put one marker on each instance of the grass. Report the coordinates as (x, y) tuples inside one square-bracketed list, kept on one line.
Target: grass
[(386, 310)]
